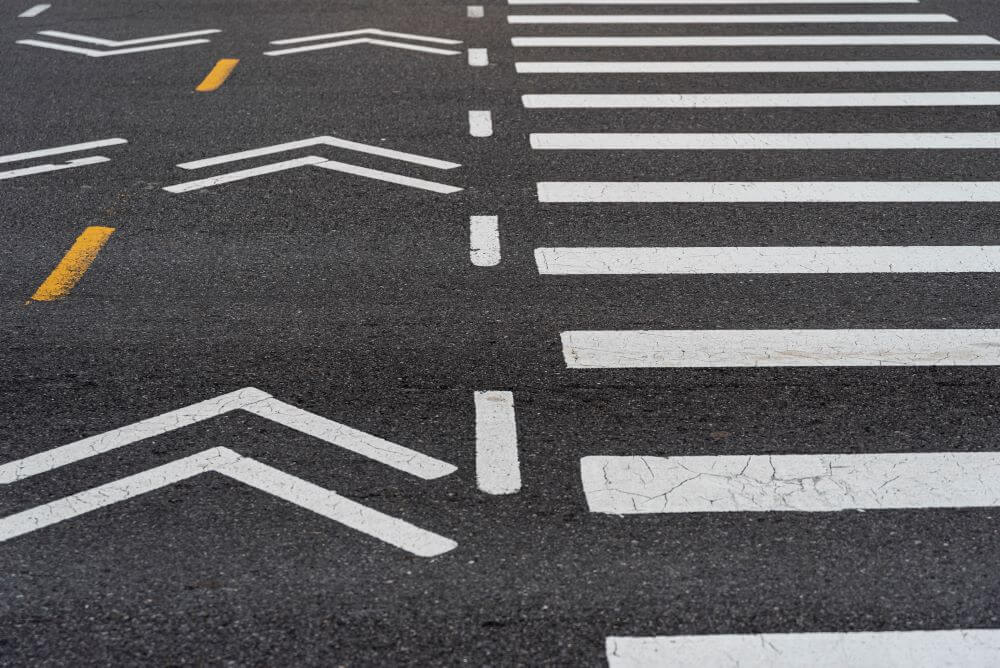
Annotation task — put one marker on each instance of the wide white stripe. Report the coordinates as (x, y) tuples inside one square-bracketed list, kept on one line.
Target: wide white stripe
[(964, 648), (69, 148), (484, 240), (769, 260), (711, 2), (42, 169), (759, 66), (390, 177), (769, 191), (607, 19), (751, 141), (755, 40), (125, 42), (497, 467), (245, 174), (480, 123), (479, 57), (680, 348), (725, 100), (33, 11), (799, 483)]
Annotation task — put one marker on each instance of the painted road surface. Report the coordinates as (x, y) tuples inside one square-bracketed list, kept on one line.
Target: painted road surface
[(531, 332)]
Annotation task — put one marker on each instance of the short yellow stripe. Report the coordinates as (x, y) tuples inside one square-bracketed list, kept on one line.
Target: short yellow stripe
[(218, 75), (74, 264)]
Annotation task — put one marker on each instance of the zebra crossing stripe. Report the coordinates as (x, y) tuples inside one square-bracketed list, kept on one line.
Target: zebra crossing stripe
[(607, 19), (756, 40), (755, 67), (724, 100), (752, 141), (708, 348)]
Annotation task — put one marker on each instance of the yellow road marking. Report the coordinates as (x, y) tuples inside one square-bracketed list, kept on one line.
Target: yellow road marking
[(218, 75), (74, 264)]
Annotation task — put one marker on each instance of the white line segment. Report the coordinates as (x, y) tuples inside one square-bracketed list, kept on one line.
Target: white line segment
[(363, 40), (498, 470), (711, 2), (42, 169), (242, 174), (608, 19), (724, 100), (479, 57), (480, 123), (756, 40), (964, 648), (69, 148), (790, 483), (367, 31), (484, 240), (707, 348), (765, 141), (768, 260), (125, 42), (33, 11), (390, 177), (94, 53), (769, 191), (758, 67)]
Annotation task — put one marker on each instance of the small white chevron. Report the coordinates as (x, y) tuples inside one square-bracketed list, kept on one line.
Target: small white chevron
[(130, 45), (364, 40)]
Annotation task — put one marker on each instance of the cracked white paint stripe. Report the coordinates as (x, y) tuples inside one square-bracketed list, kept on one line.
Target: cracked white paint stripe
[(484, 240), (768, 191), (790, 483), (703, 348), (603, 19), (754, 40), (768, 260), (479, 57), (754, 100), (498, 469), (754, 66), (761, 141), (962, 648)]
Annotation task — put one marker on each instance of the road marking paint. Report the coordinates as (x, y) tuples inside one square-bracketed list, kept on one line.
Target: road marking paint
[(363, 40), (475, 11), (249, 399), (322, 141), (790, 483), (367, 31), (781, 348), (480, 123), (484, 240), (763, 40), (33, 11), (607, 19), (497, 467), (295, 490), (974, 648), (126, 42), (722, 100), (69, 148), (73, 265), (41, 169), (218, 75), (479, 57), (751, 141), (769, 191), (390, 177), (749, 66), (768, 260), (244, 174), (712, 2), (114, 52)]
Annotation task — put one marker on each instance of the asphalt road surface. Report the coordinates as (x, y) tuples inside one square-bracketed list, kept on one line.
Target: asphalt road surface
[(642, 373)]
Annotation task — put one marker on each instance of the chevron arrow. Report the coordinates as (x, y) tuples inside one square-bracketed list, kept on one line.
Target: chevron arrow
[(339, 42), (229, 463), (131, 45)]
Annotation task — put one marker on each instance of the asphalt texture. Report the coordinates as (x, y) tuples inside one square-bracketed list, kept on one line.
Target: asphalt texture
[(356, 300)]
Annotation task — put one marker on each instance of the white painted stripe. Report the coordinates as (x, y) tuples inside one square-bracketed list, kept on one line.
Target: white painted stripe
[(33, 11), (484, 240), (363, 40), (607, 19), (964, 648), (475, 11), (795, 483), (755, 40), (723, 100), (479, 57), (712, 2), (42, 169), (498, 470), (322, 141), (701, 348), (759, 66), (769, 260), (769, 191), (480, 123), (242, 174), (94, 53), (125, 42), (69, 148), (379, 175), (748, 141), (367, 31), (331, 505)]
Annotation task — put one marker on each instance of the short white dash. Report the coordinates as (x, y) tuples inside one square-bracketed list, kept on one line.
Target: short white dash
[(484, 240), (481, 123), (475, 11), (33, 11), (479, 57), (497, 467)]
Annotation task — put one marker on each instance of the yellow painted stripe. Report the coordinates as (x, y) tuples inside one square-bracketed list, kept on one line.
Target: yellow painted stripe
[(74, 264), (218, 75)]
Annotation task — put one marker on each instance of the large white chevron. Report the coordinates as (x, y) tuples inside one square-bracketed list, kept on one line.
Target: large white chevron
[(130, 45), (353, 38)]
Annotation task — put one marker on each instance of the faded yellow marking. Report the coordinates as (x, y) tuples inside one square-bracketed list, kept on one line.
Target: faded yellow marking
[(218, 75), (74, 264)]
